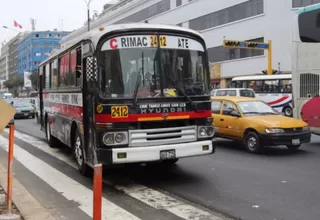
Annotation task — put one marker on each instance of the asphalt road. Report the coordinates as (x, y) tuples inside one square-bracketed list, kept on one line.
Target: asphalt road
[(277, 185)]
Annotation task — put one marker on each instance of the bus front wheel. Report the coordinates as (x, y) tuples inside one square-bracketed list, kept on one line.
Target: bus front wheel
[(78, 153), (287, 111)]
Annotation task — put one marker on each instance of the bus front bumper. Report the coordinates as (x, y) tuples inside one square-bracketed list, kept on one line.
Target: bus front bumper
[(155, 153)]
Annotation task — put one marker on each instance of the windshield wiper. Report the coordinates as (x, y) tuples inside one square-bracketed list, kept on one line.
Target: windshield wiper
[(136, 89), (181, 91)]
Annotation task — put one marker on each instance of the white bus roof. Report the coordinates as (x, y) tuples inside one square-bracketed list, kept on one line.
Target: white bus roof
[(95, 34), (262, 77)]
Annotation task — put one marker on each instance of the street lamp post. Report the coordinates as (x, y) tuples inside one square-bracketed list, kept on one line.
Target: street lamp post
[(88, 12)]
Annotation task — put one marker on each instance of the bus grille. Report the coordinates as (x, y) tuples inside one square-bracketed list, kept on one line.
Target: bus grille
[(160, 136)]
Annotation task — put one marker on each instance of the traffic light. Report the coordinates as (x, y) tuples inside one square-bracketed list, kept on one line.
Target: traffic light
[(252, 45), (231, 43), (274, 72)]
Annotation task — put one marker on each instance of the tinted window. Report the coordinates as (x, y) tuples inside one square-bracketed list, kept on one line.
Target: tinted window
[(226, 93), (227, 15), (309, 26), (148, 12), (216, 106), (303, 3), (247, 93)]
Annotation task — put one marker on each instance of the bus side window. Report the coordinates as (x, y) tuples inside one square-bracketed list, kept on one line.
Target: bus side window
[(271, 86), (285, 86)]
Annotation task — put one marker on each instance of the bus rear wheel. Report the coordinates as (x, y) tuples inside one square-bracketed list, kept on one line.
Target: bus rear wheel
[(78, 153), (287, 111), (53, 142)]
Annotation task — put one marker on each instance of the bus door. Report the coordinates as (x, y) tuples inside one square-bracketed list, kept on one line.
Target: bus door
[(40, 92), (89, 83)]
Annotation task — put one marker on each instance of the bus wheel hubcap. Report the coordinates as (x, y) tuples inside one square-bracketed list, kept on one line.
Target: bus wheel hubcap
[(78, 151), (288, 111)]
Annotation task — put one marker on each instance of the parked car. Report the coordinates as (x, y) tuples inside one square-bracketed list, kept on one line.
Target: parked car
[(256, 124), (24, 109), (245, 92)]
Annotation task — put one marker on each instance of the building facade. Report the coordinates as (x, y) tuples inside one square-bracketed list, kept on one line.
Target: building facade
[(254, 20), (13, 53), (35, 47), (4, 63)]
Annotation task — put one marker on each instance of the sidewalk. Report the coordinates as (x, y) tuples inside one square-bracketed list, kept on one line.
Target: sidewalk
[(23, 202)]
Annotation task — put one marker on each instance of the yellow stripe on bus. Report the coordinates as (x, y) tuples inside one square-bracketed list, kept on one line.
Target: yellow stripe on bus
[(161, 118)]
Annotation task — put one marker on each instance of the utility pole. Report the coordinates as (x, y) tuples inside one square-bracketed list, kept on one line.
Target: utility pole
[(33, 24), (88, 12)]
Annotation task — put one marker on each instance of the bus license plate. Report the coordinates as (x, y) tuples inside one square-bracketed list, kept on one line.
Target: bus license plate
[(167, 154), (295, 141)]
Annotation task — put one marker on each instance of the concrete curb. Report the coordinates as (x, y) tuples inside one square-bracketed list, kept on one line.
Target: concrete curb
[(28, 206)]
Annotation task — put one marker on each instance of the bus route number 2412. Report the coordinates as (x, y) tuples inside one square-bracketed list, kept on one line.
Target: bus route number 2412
[(119, 111), (154, 41)]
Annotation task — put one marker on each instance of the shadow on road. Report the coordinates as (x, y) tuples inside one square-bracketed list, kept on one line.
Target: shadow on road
[(276, 151)]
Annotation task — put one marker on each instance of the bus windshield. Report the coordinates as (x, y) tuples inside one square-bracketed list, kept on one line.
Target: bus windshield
[(309, 26), (133, 66)]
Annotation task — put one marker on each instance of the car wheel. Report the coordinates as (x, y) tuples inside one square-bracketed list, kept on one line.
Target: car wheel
[(293, 147), (287, 111), (53, 142), (252, 142), (78, 154)]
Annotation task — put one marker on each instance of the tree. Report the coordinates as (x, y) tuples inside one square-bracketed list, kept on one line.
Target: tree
[(14, 83), (34, 79)]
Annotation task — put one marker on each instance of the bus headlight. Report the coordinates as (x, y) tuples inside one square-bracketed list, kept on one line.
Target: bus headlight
[(205, 131), (115, 138)]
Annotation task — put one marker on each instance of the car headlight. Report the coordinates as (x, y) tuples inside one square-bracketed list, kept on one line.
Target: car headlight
[(306, 128), (115, 138), (274, 130), (205, 131)]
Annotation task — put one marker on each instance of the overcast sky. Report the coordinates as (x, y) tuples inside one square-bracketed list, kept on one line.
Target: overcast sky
[(49, 14)]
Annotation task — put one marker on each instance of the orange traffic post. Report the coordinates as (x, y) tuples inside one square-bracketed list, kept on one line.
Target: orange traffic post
[(10, 160), (97, 192)]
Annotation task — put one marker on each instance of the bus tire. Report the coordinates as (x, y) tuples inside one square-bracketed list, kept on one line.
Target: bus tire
[(287, 111), (53, 142), (79, 154)]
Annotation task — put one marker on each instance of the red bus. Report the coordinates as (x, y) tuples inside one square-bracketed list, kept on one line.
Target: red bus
[(129, 93)]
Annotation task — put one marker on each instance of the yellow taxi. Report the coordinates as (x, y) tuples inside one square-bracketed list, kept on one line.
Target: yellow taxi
[(256, 124)]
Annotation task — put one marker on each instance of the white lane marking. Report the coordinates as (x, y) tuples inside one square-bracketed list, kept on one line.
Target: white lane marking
[(69, 188), (160, 200), (56, 152), (144, 194)]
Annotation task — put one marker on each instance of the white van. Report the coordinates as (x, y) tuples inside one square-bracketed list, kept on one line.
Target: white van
[(245, 92)]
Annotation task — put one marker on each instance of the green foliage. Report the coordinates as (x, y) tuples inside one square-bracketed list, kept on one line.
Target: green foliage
[(14, 83), (34, 79)]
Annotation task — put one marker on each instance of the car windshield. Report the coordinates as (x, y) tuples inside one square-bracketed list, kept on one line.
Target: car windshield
[(132, 66), (255, 107)]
